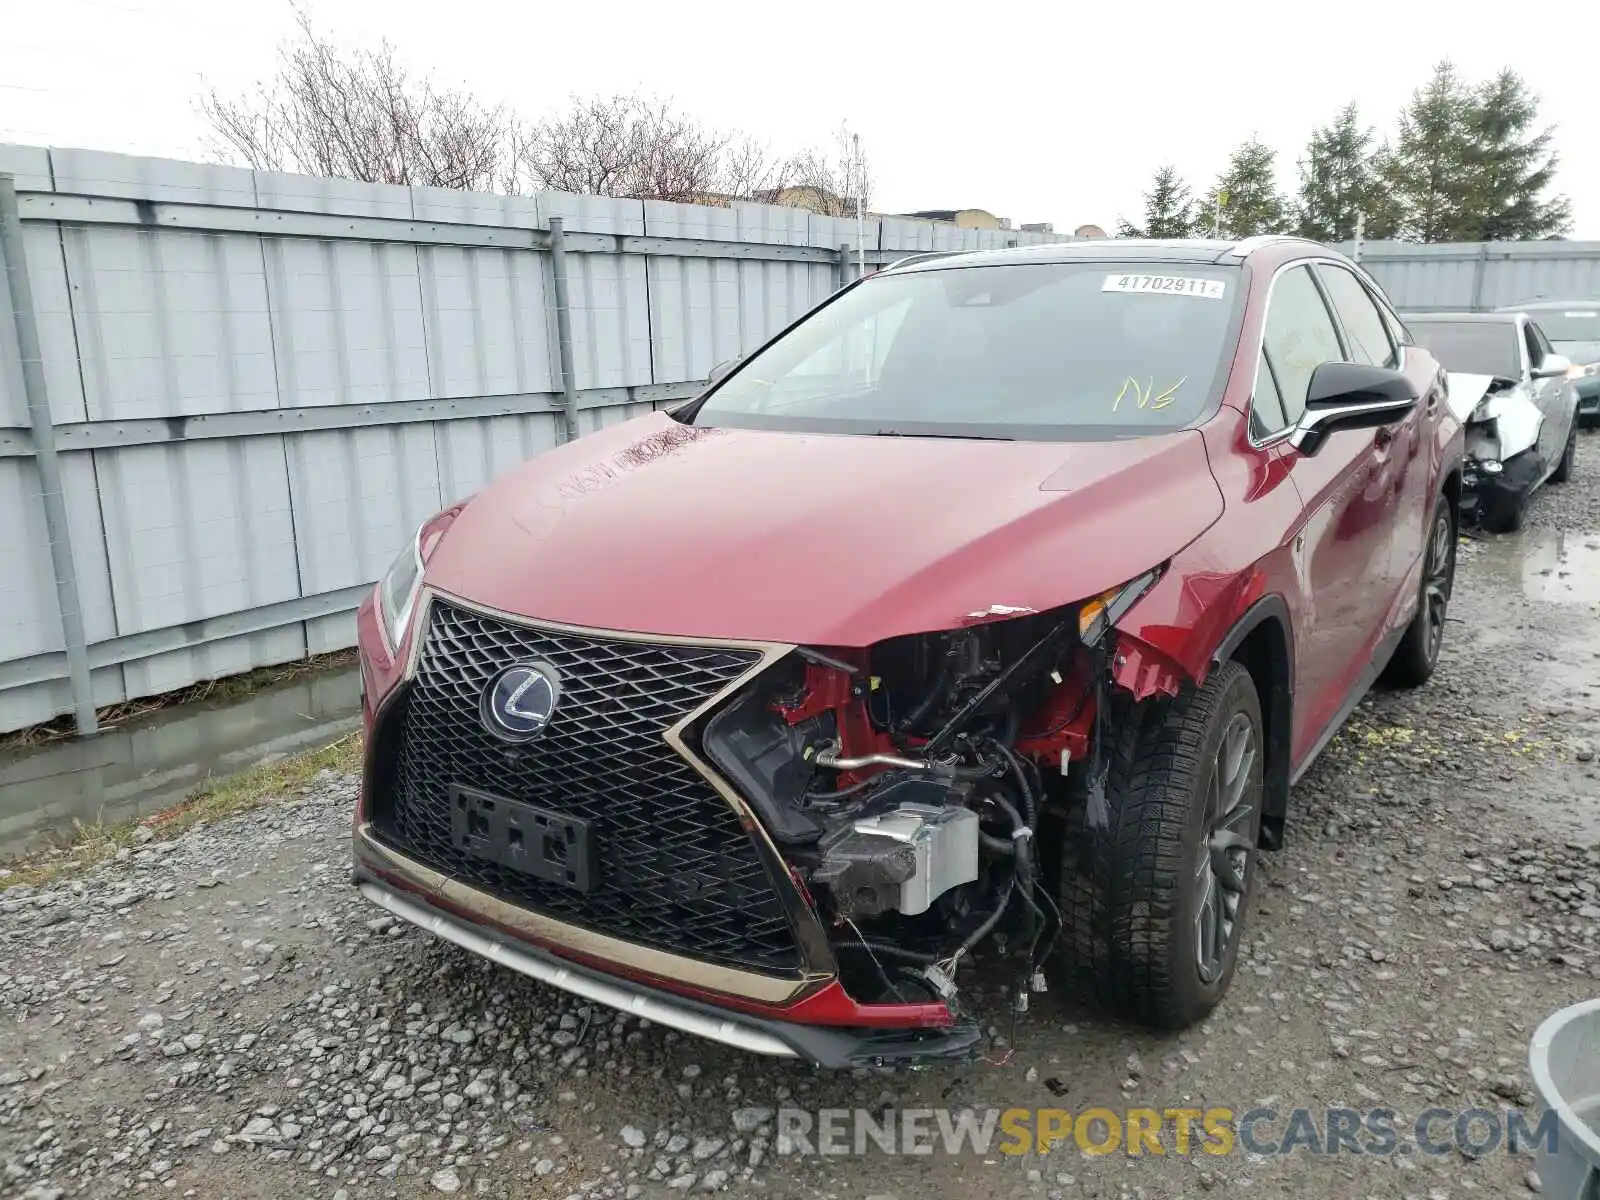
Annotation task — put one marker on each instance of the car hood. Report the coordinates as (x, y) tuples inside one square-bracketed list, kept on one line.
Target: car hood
[(1466, 390), (653, 526)]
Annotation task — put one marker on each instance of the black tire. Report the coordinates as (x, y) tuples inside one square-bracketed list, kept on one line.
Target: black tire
[(1563, 471), (1131, 883), (1502, 512), (1417, 654)]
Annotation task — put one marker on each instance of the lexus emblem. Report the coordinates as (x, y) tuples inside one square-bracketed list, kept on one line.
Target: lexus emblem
[(520, 700)]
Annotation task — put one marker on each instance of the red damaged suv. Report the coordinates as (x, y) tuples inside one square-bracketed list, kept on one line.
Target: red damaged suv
[(986, 614)]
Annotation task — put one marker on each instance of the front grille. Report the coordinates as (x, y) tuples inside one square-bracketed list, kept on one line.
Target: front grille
[(677, 872)]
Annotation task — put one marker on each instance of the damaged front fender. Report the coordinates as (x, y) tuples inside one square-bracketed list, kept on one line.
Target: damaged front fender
[(1143, 671)]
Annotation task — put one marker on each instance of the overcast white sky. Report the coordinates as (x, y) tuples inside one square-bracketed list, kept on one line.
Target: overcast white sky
[(1035, 111)]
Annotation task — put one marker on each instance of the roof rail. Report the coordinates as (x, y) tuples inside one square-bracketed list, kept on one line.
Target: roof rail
[(1255, 242), (924, 256)]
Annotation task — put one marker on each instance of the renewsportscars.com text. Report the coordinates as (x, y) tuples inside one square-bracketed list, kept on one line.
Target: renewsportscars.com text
[(1263, 1132)]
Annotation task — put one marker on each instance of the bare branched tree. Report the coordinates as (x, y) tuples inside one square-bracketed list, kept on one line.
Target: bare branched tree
[(641, 148), (829, 180), (359, 114)]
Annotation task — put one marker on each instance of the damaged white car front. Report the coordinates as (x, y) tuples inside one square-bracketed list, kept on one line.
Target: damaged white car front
[(1503, 463)]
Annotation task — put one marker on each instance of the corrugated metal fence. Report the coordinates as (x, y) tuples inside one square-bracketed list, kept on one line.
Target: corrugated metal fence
[(1480, 276), (258, 384)]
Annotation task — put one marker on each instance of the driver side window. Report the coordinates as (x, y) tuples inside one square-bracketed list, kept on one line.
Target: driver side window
[(1300, 337)]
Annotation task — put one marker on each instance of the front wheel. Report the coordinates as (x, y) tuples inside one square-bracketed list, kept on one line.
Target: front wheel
[(1563, 471), (1155, 885), (1418, 652)]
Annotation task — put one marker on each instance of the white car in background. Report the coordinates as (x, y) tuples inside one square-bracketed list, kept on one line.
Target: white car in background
[(1512, 392)]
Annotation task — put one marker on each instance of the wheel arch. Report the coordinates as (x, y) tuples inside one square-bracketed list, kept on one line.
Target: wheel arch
[(1260, 642), (1450, 489)]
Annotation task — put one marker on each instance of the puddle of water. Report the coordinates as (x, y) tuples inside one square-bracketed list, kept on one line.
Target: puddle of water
[(151, 763), (1560, 567)]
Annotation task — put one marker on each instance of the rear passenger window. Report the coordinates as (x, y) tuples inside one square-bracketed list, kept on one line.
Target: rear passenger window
[(1364, 327), (1266, 408), (1299, 338)]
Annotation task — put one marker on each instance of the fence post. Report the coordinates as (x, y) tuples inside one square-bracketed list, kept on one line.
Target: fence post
[(844, 263), (1479, 270), (569, 381), (45, 460)]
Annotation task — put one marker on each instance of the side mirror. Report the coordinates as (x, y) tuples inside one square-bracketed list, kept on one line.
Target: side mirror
[(1350, 396), (1552, 366), (720, 371)]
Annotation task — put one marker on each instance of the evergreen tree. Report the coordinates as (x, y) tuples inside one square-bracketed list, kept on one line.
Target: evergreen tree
[(1385, 211), (1511, 167), (1166, 209), (1248, 189), (1336, 179), (1427, 172)]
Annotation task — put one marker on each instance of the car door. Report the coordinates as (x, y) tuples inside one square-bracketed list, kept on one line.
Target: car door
[(1405, 466), (1342, 548), (1551, 395)]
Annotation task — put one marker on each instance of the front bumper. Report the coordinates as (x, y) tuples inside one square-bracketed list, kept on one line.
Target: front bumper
[(802, 1013), (467, 918), (1510, 485)]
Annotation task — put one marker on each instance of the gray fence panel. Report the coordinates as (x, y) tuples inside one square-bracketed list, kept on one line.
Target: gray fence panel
[(53, 307), (169, 323), (346, 322), (1477, 276)]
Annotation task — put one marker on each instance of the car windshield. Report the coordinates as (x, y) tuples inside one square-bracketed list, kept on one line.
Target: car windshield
[(1471, 347), (1570, 325), (1035, 351)]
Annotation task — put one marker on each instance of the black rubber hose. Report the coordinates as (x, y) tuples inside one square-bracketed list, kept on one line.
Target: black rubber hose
[(1030, 806), (941, 684), (998, 846), (1022, 875), (846, 792), (993, 919)]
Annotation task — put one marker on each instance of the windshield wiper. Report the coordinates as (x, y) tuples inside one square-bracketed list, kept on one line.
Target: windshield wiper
[(961, 437)]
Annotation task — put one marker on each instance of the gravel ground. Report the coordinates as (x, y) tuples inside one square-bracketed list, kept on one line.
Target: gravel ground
[(221, 1016)]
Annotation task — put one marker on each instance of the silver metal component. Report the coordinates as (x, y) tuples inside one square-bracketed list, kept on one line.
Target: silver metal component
[(569, 378), (945, 842), (829, 757), (41, 424), (1066, 760)]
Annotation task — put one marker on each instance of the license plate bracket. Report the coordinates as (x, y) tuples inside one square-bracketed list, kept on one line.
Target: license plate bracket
[(552, 846)]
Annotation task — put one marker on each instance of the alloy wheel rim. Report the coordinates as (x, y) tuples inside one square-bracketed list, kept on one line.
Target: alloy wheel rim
[(1225, 859), (1436, 589)]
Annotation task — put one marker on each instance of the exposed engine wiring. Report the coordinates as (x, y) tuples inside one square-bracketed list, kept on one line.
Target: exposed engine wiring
[(950, 964), (883, 974)]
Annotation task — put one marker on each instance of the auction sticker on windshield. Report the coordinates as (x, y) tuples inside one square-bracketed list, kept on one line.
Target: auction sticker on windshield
[(1165, 285)]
